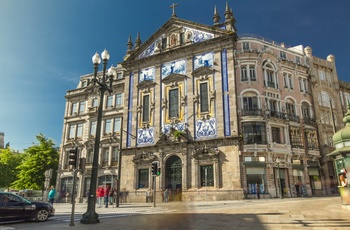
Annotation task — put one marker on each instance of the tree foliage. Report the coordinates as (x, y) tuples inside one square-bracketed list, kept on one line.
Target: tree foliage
[(36, 160), (9, 161)]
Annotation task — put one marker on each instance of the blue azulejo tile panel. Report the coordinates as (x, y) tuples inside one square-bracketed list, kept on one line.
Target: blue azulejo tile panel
[(129, 121), (226, 101), (178, 67), (206, 128), (197, 35), (201, 60), (147, 74), (178, 126), (145, 136)]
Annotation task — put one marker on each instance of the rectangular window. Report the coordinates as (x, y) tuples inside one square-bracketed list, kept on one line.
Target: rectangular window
[(72, 131), (250, 103), (145, 108), (164, 41), (246, 46), (108, 126), (204, 97), (83, 84), (256, 180), (283, 55), (254, 132), (290, 108), (321, 75), (244, 74), (182, 38), (276, 135), (174, 103), (93, 128), (95, 102), (105, 154), (297, 60), (74, 108), (207, 175), (109, 103), (119, 75), (115, 153), (143, 178), (80, 130), (90, 156), (119, 99), (117, 124), (82, 107), (252, 73)]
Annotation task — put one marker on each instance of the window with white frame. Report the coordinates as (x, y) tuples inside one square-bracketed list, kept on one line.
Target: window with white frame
[(75, 131), (89, 156), (246, 46), (297, 60), (108, 126), (109, 103), (244, 73), (328, 76), (248, 72), (276, 135), (321, 75), (112, 125), (303, 86), (119, 99), (81, 107), (204, 97), (117, 125), (305, 110), (119, 75), (270, 76), (324, 99), (288, 80), (74, 108), (174, 103), (290, 107), (250, 103), (283, 55), (105, 154), (93, 128), (83, 84), (115, 153), (95, 102)]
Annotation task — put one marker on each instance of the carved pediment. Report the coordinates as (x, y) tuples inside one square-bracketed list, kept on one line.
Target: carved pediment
[(144, 157), (206, 153), (204, 70), (146, 84), (174, 77)]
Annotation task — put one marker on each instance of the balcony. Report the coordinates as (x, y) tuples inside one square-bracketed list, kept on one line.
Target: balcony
[(251, 112), (309, 121), (292, 117)]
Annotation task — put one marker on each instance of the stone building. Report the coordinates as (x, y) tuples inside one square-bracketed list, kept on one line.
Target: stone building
[(226, 117)]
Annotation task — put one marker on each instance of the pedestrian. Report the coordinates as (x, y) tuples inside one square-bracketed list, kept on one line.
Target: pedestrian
[(148, 195), (52, 194), (99, 195), (111, 196), (106, 193), (166, 195)]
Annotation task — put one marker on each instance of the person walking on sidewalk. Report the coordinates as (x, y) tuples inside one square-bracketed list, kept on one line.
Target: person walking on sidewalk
[(52, 194), (166, 196), (99, 195), (106, 195)]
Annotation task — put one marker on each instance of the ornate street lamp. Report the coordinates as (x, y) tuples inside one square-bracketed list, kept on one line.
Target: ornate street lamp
[(104, 84)]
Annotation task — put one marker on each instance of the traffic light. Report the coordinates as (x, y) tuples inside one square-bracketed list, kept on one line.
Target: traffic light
[(154, 168), (158, 170), (73, 157)]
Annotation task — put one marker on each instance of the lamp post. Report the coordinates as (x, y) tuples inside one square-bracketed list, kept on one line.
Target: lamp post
[(104, 84), (279, 178)]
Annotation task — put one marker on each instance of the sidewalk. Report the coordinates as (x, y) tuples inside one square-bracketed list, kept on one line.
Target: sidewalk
[(293, 213)]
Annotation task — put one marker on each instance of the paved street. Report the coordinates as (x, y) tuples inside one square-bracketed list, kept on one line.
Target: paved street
[(294, 213)]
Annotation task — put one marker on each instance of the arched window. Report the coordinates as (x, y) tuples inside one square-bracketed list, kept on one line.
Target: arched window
[(270, 78)]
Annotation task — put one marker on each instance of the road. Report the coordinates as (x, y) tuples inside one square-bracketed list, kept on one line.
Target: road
[(294, 213)]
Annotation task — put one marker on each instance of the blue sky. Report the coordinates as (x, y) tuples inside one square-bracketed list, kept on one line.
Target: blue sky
[(46, 45)]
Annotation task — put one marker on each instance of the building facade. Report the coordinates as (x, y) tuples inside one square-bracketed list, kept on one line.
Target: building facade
[(225, 117)]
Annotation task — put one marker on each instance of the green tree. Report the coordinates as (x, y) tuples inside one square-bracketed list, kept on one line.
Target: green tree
[(9, 161), (37, 159)]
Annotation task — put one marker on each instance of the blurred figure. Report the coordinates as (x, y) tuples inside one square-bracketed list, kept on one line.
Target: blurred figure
[(52, 194)]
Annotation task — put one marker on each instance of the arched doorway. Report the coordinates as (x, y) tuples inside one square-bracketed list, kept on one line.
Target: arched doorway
[(173, 178)]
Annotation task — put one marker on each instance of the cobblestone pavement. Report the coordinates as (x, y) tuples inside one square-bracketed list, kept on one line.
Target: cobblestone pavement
[(293, 213)]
